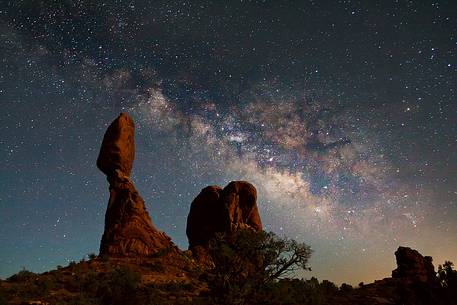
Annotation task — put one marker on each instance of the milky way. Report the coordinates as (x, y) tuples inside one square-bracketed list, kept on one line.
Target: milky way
[(318, 176), (341, 113)]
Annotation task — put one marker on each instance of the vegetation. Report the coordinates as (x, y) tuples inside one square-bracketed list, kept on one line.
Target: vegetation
[(120, 288), (447, 278), (346, 287), (21, 276), (248, 262), (250, 268), (447, 275)]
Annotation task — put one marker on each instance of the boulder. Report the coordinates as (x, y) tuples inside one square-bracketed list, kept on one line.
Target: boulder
[(118, 147), (206, 216), (128, 227), (413, 267), (239, 199), (222, 210)]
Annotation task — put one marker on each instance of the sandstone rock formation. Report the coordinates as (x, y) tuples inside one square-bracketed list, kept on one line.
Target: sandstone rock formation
[(240, 201), (118, 147), (128, 227), (412, 266), (222, 210)]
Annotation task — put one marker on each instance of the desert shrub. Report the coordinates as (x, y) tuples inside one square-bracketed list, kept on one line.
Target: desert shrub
[(447, 275), (295, 291), (92, 256), (247, 262), (328, 287), (89, 284), (346, 287), (151, 294), (23, 275), (120, 288), (45, 285)]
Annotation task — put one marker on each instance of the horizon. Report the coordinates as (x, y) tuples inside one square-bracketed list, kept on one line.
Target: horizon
[(342, 115)]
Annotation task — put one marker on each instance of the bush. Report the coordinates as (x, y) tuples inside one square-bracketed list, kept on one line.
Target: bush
[(121, 287), (345, 287), (23, 275), (90, 284), (447, 275), (328, 287), (118, 287)]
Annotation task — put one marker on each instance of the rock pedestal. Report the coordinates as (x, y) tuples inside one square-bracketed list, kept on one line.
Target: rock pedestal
[(128, 227)]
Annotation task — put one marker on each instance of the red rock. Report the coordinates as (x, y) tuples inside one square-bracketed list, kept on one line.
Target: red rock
[(240, 201), (206, 216), (222, 210), (412, 266), (118, 147), (128, 227)]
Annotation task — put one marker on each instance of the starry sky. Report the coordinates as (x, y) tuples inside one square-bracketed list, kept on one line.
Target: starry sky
[(342, 114)]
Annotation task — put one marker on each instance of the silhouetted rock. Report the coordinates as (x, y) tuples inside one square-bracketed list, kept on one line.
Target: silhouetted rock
[(412, 266), (221, 210), (128, 227), (206, 216)]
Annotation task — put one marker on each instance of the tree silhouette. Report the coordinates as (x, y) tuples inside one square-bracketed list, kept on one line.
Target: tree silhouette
[(246, 261)]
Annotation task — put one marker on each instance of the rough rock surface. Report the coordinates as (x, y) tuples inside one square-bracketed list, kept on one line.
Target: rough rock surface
[(118, 147), (128, 227), (206, 216), (222, 210), (412, 266), (239, 199)]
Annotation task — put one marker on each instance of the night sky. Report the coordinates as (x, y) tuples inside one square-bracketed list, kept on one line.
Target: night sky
[(342, 114)]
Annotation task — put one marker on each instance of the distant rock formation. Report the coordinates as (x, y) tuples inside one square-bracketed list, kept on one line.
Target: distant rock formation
[(412, 266), (128, 227), (222, 210)]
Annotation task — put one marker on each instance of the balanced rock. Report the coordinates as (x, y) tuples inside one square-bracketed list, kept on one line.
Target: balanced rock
[(118, 147), (413, 267), (222, 210), (128, 227)]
